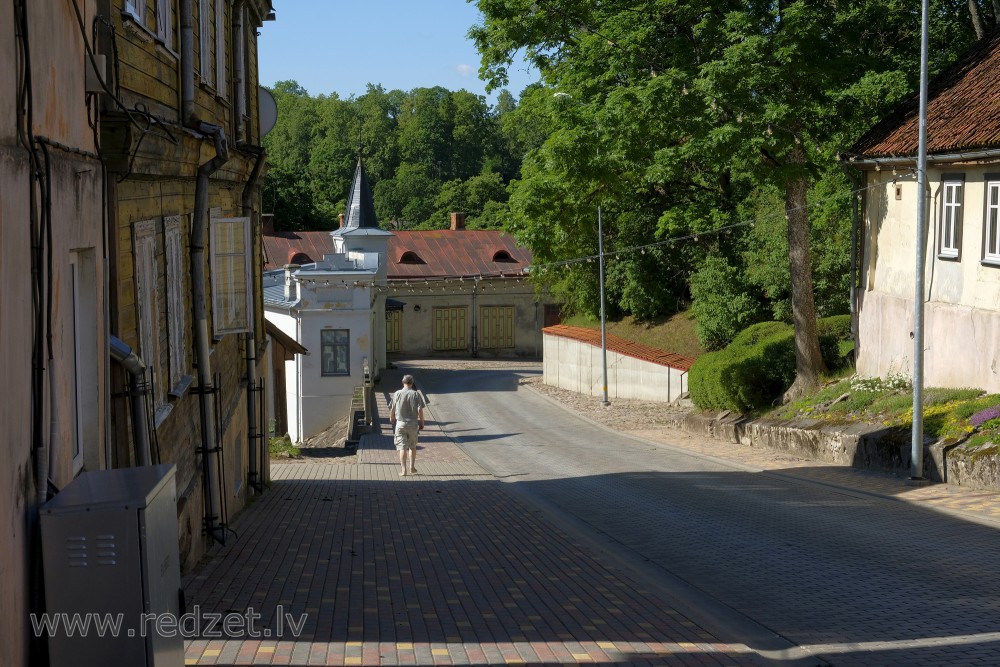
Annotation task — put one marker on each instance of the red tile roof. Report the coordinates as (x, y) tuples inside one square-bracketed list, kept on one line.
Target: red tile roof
[(441, 253), (622, 346), (963, 110)]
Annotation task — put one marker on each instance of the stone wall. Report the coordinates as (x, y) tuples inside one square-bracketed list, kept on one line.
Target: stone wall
[(863, 446)]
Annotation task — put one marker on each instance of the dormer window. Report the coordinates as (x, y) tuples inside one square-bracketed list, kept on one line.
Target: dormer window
[(410, 257), (503, 256), (300, 258)]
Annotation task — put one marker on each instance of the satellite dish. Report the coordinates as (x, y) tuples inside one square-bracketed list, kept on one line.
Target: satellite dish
[(268, 110)]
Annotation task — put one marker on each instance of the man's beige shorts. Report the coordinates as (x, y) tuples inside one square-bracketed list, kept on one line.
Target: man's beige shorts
[(406, 436)]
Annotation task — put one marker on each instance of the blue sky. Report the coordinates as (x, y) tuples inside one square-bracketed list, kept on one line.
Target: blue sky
[(339, 46)]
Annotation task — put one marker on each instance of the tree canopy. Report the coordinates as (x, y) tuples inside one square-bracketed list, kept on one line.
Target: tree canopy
[(427, 152), (706, 130)]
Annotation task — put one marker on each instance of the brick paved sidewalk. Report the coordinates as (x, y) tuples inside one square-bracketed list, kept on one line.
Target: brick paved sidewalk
[(445, 567)]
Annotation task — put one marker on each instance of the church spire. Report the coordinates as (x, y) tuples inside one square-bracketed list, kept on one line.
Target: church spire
[(360, 204)]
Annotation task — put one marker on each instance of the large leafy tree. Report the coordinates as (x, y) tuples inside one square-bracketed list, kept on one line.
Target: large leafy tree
[(416, 145), (689, 109)]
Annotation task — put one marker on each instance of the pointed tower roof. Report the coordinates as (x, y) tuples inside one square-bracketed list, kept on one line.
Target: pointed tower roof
[(360, 217)]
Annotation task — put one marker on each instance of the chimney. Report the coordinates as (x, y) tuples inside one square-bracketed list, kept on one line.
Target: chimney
[(291, 285), (341, 218), (457, 221), (267, 220)]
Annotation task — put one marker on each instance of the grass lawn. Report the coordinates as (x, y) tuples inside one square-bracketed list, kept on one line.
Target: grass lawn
[(952, 414), (675, 333)]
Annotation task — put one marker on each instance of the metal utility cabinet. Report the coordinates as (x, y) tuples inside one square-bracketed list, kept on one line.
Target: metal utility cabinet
[(109, 549)]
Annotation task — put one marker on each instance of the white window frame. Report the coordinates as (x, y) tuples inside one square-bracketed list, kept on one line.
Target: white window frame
[(950, 239), (232, 275), (220, 47), (136, 9), (205, 65), (146, 301), (177, 321), (165, 23), (328, 349), (991, 222)]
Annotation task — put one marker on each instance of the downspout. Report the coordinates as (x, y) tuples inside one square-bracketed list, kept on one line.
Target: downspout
[(475, 352), (256, 453), (210, 446), (128, 359), (852, 176)]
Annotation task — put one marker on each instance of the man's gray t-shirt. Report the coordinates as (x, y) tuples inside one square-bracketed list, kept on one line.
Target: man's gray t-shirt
[(405, 404)]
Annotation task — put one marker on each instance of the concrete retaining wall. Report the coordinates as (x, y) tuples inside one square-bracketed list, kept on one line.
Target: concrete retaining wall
[(862, 446), (576, 366)]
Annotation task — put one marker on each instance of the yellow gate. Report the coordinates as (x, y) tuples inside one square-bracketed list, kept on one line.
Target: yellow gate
[(449, 329), (496, 327), (392, 330)]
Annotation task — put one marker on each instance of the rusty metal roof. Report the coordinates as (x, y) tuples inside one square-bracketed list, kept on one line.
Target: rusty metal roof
[(963, 110), (447, 253), (416, 254), (282, 248), (622, 346)]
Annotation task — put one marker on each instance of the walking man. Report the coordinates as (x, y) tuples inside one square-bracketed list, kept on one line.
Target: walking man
[(406, 411)]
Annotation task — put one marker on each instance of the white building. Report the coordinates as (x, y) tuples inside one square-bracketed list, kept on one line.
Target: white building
[(332, 308), (961, 260)]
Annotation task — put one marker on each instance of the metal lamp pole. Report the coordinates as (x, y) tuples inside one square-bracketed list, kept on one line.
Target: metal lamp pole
[(600, 275)]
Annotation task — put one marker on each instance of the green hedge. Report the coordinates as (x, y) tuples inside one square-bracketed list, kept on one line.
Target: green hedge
[(759, 365)]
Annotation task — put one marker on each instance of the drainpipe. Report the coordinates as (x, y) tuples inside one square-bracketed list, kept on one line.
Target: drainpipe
[(852, 176), (128, 359), (475, 352), (210, 446), (256, 453)]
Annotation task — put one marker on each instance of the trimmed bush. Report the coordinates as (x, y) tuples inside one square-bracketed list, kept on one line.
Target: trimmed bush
[(759, 365)]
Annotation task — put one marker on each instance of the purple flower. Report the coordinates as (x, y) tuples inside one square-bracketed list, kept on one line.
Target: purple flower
[(984, 416)]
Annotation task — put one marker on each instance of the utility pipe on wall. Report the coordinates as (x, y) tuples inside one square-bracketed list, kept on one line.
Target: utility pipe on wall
[(130, 361), (210, 445), (255, 455)]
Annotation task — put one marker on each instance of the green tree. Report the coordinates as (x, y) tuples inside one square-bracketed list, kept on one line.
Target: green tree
[(699, 105)]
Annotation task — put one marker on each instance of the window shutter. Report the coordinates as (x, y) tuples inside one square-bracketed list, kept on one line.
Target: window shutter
[(177, 312), (220, 47), (232, 283), (164, 23), (205, 42)]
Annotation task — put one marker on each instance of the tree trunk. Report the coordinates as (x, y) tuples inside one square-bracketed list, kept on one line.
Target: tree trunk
[(808, 360), (977, 22)]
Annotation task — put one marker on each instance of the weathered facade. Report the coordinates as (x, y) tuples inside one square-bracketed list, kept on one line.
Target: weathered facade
[(961, 260), (181, 148), (131, 330), (53, 334)]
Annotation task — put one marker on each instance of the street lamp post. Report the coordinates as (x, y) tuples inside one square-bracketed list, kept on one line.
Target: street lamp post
[(600, 277)]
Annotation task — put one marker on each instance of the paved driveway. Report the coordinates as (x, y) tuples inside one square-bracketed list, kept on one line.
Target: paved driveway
[(853, 578)]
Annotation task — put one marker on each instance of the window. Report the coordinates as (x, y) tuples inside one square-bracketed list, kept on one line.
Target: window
[(951, 216), (991, 233), (136, 9), (205, 64), (410, 257), (496, 327), (503, 256), (335, 347), (164, 22), (232, 275), (173, 234), (220, 47), (146, 301)]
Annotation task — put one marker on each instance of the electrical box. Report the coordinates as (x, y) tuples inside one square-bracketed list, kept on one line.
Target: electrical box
[(111, 560)]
